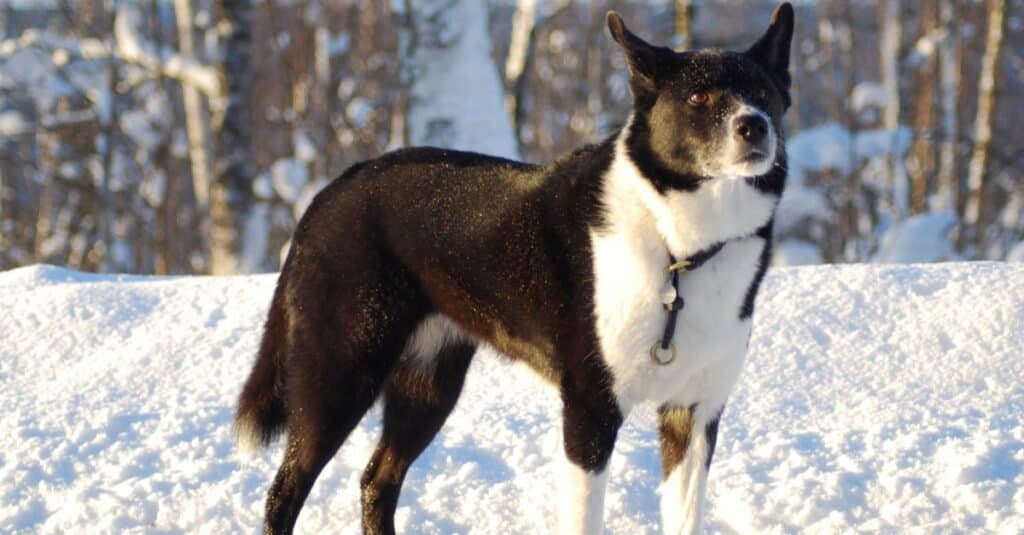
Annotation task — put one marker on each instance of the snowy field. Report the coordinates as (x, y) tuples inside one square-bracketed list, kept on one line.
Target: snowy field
[(875, 398)]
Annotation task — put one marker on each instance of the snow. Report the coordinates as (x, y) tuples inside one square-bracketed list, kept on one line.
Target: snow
[(32, 4), (255, 239), (305, 150), (918, 239), (133, 47), (456, 92), (288, 177), (831, 146), (29, 67), (1016, 253), (875, 398), (796, 252), (869, 95), (798, 204), (12, 123), (148, 125)]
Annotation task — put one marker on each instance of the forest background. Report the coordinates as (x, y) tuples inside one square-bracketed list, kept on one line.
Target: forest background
[(187, 136)]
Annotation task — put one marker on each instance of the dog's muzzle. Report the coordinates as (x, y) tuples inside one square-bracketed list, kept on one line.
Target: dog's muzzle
[(751, 147), (751, 129)]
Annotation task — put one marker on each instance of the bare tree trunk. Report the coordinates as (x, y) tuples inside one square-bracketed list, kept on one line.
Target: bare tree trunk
[(974, 209), (892, 34), (321, 97), (442, 110), (520, 56), (195, 114), (683, 24), (106, 212), (231, 194), (923, 104), (845, 243), (949, 83), (408, 42)]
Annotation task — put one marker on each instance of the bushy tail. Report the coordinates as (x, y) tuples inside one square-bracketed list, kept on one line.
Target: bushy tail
[(261, 415)]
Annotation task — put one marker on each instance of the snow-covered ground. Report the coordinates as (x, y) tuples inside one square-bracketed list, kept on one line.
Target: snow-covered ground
[(875, 398)]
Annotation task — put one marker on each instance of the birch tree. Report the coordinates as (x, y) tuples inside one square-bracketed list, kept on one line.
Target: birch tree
[(109, 111), (922, 106), (520, 53), (889, 48), (454, 91), (949, 84), (683, 22), (974, 208), (230, 193), (195, 113)]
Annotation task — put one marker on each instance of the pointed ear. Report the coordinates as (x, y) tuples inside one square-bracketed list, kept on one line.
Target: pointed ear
[(772, 49), (643, 58)]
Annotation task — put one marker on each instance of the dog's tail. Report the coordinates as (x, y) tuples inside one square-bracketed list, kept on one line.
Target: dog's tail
[(261, 414)]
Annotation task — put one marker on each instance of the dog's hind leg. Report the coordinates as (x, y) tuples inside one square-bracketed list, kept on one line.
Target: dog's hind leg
[(343, 342), (417, 400), (322, 414), (688, 436)]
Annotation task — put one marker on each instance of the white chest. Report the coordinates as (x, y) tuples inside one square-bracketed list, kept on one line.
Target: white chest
[(710, 338), (630, 277)]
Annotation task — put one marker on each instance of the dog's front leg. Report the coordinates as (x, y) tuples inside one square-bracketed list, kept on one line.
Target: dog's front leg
[(590, 423), (687, 438)]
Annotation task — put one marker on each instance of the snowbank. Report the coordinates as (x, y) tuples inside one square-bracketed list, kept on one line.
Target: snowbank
[(875, 398)]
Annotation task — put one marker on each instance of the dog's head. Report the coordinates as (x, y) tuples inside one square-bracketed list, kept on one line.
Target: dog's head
[(707, 114)]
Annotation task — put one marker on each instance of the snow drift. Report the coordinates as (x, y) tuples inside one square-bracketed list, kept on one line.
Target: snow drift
[(874, 398)]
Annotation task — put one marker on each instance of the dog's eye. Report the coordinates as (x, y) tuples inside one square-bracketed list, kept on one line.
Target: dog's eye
[(698, 98), (761, 94)]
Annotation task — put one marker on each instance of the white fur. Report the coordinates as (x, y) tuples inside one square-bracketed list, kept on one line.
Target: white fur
[(248, 442), (630, 260), (581, 507), (433, 333), (683, 492)]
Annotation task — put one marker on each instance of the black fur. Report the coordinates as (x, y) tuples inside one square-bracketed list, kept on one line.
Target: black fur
[(500, 248), (765, 233), (711, 436), (415, 408), (496, 248)]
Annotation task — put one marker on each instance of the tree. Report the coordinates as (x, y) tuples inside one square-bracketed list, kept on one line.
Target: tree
[(922, 107), (683, 22), (890, 51), (195, 114), (974, 208), (454, 92), (231, 192), (949, 84), (521, 50)]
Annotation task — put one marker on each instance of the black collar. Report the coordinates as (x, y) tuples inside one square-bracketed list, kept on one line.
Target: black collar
[(674, 305)]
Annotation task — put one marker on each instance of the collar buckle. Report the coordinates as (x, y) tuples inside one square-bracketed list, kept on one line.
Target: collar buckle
[(681, 266), (663, 352)]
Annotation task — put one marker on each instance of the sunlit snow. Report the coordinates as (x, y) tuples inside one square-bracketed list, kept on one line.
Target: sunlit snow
[(875, 398)]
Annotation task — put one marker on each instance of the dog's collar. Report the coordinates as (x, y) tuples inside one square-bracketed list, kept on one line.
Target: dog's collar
[(663, 352)]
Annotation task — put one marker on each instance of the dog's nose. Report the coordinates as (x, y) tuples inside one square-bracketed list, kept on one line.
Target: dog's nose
[(751, 128)]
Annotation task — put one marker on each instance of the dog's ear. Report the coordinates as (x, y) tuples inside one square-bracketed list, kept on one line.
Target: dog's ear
[(772, 49), (643, 58)]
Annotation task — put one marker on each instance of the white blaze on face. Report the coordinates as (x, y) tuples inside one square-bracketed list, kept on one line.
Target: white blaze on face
[(731, 162)]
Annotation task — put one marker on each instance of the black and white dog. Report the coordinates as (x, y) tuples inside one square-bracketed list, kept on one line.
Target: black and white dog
[(407, 263)]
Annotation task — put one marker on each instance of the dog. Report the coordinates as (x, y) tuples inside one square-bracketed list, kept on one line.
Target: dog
[(623, 273)]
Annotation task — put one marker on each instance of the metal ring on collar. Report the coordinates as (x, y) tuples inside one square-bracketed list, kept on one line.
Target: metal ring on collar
[(657, 352)]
